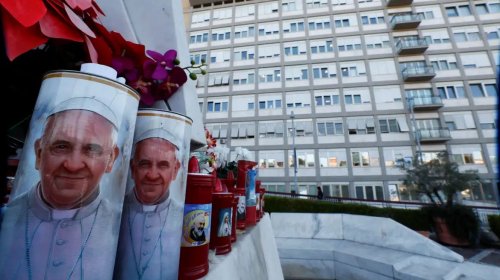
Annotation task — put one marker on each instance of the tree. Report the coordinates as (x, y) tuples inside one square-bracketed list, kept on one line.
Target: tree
[(442, 174), (439, 174)]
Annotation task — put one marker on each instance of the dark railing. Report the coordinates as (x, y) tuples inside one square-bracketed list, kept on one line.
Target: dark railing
[(392, 3), (404, 18), (429, 100), (434, 134), (411, 43), (421, 70), (482, 211)]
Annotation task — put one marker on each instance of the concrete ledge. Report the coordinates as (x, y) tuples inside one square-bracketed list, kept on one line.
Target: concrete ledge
[(341, 246), (253, 256), (384, 232)]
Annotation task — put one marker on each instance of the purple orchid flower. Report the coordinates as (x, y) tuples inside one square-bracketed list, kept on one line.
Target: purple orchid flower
[(157, 67), (126, 68)]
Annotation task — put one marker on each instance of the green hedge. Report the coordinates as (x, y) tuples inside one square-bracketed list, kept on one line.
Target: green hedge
[(493, 220), (414, 219)]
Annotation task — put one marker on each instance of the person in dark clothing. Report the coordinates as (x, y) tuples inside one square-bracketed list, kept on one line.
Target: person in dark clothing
[(320, 193)]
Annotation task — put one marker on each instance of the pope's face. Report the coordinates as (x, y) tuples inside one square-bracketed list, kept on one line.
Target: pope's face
[(74, 152), (154, 166)]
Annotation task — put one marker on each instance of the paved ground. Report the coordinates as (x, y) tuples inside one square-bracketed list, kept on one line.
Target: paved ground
[(483, 255)]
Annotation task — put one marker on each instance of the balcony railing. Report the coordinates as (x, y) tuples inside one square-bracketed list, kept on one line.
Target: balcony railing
[(411, 46), (405, 21), (200, 2), (394, 3), (427, 103), (420, 73), (434, 135)]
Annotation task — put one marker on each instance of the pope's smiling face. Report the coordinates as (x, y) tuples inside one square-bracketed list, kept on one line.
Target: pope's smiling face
[(154, 167), (76, 149)]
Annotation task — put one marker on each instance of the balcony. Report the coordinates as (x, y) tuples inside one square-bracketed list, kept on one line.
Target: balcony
[(201, 2), (395, 3), (434, 135), (418, 74), (427, 103), (411, 46), (405, 21)]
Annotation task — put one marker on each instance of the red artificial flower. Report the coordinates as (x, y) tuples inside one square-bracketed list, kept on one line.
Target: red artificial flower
[(112, 49), (28, 24)]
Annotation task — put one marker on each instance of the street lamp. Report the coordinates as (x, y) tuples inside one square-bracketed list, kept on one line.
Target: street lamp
[(294, 189)]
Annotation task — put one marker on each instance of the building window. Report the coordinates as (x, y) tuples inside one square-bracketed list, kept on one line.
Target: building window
[(198, 38), (217, 106), (241, 79), (370, 192), (336, 190), (321, 47), (271, 130), (443, 64), (367, 20), (293, 27), (455, 11), (219, 132), (352, 99), (349, 47), (339, 23), (332, 158), (436, 36), (316, 3), (473, 157), (305, 159), (426, 15), (483, 90), (462, 36), (319, 25), (389, 126), (360, 126), (451, 92), (488, 8), (326, 100), (487, 119), (199, 58), (271, 159), (270, 104), (268, 8), (244, 11), (221, 35), (330, 128), (242, 131), (360, 159), (269, 75)]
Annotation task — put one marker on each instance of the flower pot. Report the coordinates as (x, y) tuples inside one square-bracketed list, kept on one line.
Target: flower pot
[(445, 236), (425, 233)]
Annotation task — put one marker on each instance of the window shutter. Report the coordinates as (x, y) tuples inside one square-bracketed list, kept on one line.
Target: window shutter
[(403, 126)]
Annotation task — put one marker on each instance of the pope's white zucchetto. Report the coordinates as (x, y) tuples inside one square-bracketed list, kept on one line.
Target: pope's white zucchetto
[(155, 133), (88, 104)]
